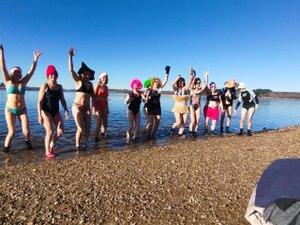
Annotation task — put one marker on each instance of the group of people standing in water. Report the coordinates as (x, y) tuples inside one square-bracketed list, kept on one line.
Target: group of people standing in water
[(92, 99)]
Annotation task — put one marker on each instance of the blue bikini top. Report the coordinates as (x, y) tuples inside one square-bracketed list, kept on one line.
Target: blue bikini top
[(15, 90)]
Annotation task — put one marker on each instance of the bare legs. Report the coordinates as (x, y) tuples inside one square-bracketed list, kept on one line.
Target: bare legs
[(11, 126), (195, 119), (148, 120), (180, 120), (101, 119), (136, 119), (82, 116), (212, 126), (49, 123), (228, 122), (153, 125), (244, 113)]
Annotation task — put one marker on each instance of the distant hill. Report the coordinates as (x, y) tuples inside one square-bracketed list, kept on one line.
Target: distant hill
[(291, 95), (267, 93)]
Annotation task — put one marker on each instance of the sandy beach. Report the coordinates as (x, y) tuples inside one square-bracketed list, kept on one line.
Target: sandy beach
[(204, 181)]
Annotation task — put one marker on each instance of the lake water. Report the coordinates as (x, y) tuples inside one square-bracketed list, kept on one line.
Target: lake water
[(272, 114)]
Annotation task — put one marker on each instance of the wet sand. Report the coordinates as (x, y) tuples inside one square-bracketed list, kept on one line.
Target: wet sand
[(204, 181)]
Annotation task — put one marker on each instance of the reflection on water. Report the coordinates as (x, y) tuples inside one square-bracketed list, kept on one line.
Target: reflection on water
[(273, 113)]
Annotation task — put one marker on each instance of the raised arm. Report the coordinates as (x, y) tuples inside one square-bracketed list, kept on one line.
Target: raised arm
[(174, 83), (167, 68), (29, 74), (205, 83), (192, 77), (71, 70), (3, 65)]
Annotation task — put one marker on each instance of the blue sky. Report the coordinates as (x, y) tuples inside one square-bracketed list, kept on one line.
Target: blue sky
[(257, 41)]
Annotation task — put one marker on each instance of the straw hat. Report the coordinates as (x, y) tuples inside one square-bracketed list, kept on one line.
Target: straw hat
[(230, 84)]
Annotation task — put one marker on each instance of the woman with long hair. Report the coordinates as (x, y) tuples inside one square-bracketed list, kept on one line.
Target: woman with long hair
[(153, 103)]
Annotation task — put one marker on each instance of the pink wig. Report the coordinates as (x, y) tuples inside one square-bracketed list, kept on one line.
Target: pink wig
[(137, 82)]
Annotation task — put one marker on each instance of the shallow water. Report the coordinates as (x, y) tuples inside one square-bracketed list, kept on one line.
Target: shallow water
[(272, 114)]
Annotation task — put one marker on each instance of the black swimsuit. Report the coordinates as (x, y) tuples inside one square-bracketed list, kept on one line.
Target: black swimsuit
[(51, 101), (134, 106), (154, 103)]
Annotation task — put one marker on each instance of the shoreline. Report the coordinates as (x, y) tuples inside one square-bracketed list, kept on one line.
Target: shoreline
[(272, 95), (205, 181)]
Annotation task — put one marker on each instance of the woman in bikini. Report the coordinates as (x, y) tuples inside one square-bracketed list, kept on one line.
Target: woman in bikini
[(48, 110), (100, 105), (81, 109), (195, 101), (134, 99), (15, 104), (153, 103)]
